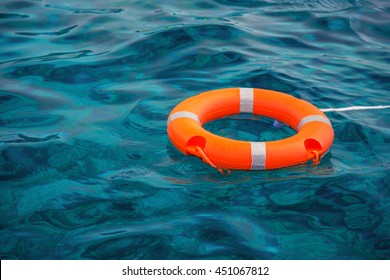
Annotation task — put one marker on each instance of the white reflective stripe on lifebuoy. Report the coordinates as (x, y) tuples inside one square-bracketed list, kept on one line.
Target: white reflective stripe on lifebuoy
[(313, 118), (246, 100), (258, 155), (182, 114)]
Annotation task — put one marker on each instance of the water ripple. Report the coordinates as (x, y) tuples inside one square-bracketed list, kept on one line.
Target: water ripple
[(12, 16), (54, 33), (84, 11), (87, 170)]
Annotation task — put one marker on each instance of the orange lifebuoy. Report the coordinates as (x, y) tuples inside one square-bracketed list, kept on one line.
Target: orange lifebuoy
[(313, 139)]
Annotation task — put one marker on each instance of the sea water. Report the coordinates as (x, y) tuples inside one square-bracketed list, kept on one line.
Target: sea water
[(86, 167)]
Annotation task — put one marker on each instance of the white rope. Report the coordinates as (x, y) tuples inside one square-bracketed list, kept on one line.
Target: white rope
[(355, 108)]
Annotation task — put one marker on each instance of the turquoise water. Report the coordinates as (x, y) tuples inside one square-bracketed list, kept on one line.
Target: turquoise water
[(86, 167)]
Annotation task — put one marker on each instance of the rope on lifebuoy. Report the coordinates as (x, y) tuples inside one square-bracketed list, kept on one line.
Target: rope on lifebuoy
[(197, 151), (355, 108)]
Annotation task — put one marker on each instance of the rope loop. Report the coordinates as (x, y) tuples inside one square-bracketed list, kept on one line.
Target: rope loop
[(316, 157), (197, 151)]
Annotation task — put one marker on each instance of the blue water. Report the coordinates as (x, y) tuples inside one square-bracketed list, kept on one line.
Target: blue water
[(87, 170)]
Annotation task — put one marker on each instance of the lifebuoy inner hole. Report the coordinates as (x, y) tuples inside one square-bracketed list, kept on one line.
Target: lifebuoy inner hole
[(249, 127)]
